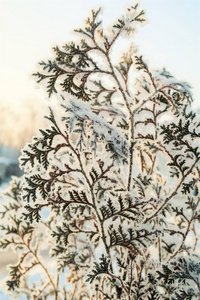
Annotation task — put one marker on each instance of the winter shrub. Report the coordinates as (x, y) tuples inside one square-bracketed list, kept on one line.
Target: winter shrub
[(108, 207)]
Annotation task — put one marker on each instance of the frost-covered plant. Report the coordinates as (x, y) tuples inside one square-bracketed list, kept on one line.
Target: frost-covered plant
[(108, 207)]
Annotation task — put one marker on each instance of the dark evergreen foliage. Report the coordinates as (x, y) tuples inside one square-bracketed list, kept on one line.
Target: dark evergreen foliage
[(110, 192)]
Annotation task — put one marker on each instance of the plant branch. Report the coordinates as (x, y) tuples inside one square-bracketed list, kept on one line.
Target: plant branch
[(173, 193)]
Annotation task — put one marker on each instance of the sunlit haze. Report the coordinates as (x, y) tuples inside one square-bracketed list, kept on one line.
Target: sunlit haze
[(30, 28)]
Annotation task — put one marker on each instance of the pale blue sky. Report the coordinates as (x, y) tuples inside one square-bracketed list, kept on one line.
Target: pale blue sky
[(29, 29)]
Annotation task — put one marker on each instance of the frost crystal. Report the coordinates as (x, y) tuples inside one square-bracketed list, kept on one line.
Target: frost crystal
[(108, 206)]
